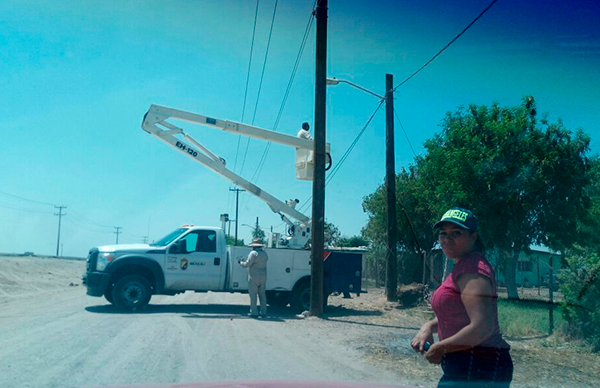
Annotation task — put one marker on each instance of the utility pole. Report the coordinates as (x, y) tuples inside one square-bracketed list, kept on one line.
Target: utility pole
[(256, 228), (391, 281), (318, 208), (117, 232), (59, 214), (145, 239), (237, 197), (551, 294)]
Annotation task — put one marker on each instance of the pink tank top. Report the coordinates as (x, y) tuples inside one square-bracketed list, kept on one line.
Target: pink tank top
[(449, 309)]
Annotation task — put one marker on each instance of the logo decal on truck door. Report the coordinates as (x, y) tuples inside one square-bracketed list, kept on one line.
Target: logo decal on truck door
[(183, 264)]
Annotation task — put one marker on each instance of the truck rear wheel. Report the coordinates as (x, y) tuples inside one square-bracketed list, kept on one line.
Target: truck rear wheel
[(131, 293), (278, 298), (301, 297), (300, 300)]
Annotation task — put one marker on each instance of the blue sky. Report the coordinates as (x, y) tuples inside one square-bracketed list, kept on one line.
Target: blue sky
[(77, 78)]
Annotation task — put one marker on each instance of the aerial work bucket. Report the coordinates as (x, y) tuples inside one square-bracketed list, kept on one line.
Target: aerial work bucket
[(305, 164)]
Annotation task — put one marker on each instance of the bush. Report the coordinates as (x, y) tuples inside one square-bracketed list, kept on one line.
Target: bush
[(580, 284)]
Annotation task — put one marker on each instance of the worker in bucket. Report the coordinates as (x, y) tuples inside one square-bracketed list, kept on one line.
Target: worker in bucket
[(256, 262), (304, 132)]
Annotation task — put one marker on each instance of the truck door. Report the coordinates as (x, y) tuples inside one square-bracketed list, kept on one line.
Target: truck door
[(197, 261)]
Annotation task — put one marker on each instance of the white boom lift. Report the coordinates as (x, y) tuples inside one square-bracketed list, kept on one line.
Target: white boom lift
[(155, 123)]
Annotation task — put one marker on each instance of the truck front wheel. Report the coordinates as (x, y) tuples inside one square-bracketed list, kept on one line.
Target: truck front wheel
[(109, 295), (131, 293)]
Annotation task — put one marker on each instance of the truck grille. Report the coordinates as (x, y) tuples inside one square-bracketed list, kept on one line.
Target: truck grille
[(90, 263)]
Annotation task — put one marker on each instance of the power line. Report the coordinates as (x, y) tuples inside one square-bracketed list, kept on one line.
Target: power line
[(263, 157), (287, 92), (261, 82), (265, 61), (79, 215), (405, 134), (237, 151), (26, 199), (447, 45), (9, 206)]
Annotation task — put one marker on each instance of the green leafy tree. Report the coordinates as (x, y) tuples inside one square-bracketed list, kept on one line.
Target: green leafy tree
[(580, 284), (525, 179), (257, 232), (415, 214), (332, 234), (351, 242), (230, 240)]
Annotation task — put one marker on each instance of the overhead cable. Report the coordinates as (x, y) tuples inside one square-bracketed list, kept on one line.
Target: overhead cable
[(237, 151), (447, 45), (261, 81), (263, 158), (405, 134), (26, 199)]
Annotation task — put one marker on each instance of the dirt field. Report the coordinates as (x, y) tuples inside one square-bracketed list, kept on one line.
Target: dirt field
[(372, 332)]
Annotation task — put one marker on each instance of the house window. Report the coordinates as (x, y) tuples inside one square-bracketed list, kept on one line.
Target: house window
[(525, 266)]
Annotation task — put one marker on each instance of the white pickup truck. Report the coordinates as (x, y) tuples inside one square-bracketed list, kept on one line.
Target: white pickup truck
[(195, 258)]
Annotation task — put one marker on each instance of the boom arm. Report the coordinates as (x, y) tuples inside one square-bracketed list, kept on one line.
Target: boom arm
[(156, 118)]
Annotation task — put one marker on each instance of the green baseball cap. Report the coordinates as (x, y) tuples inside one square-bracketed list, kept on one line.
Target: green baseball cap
[(459, 216)]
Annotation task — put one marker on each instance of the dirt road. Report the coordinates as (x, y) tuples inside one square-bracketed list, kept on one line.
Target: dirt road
[(53, 335)]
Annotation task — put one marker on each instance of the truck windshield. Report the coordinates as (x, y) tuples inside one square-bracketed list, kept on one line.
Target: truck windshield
[(169, 238)]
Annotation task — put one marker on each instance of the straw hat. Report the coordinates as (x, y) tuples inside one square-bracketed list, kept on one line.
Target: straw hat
[(257, 242)]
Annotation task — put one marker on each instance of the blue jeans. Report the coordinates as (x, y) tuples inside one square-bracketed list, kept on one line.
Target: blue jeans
[(477, 368)]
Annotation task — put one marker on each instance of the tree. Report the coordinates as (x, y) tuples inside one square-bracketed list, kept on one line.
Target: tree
[(415, 214), (525, 180), (352, 242), (230, 240), (332, 234), (257, 232)]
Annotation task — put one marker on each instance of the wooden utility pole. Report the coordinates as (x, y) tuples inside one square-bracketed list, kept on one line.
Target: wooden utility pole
[(237, 198), (117, 232), (318, 204), (391, 274), (551, 295), (59, 214)]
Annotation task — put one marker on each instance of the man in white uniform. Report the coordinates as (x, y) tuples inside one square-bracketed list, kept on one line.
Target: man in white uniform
[(256, 262), (304, 132)]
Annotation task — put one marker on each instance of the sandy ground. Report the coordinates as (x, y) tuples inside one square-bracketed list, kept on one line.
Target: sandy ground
[(55, 336)]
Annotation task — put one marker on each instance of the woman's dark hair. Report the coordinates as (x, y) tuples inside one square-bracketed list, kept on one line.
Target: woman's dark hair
[(479, 246), (305, 126)]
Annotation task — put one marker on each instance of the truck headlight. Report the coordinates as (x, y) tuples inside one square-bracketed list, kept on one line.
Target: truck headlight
[(103, 260)]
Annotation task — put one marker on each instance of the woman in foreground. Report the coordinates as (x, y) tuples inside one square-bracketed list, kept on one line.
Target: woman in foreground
[(471, 349)]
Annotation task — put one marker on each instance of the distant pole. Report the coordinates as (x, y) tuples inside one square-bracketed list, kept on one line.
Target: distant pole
[(117, 232), (551, 294), (318, 208), (145, 239), (59, 214), (391, 280), (237, 198)]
